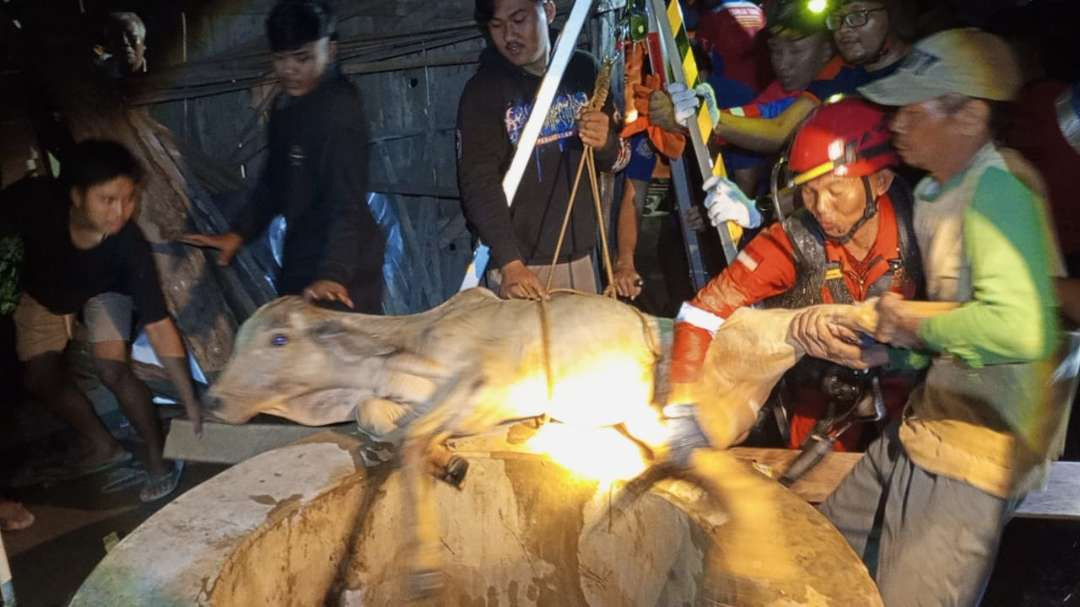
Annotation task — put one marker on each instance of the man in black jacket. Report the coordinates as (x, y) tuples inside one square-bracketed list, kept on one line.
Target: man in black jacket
[(315, 175), (494, 107)]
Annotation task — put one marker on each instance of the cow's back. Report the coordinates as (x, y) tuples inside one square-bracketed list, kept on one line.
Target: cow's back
[(584, 349)]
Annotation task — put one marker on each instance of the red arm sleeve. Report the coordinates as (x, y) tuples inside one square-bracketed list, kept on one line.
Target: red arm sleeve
[(764, 268)]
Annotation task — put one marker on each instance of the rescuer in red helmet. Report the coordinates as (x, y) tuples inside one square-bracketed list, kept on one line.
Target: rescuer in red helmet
[(851, 240)]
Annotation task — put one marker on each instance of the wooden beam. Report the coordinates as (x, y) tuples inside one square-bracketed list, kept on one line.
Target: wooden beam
[(1059, 500), (204, 79), (409, 63), (242, 65), (817, 484)]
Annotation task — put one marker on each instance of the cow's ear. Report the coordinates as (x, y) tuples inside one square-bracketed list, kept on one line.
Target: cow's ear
[(344, 343), (327, 330)]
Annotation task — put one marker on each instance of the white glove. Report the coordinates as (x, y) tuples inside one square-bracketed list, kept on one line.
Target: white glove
[(726, 202), (706, 92), (686, 433), (685, 101)]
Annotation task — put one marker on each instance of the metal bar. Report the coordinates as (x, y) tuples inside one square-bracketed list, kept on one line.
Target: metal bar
[(679, 66), (698, 276), (564, 49), (684, 198)]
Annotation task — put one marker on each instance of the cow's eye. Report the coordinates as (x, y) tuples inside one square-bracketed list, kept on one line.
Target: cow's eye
[(279, 340)]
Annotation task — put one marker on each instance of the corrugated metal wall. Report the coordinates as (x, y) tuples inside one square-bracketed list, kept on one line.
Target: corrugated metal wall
[(411, 95)]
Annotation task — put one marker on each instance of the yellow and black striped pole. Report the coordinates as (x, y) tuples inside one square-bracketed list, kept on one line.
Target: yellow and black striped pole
[(684, 70)]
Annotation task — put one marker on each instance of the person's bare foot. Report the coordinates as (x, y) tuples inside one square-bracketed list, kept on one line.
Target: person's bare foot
[(14, 516)]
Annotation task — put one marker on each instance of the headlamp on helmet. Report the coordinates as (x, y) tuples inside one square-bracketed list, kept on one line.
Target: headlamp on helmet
[(848, 138)]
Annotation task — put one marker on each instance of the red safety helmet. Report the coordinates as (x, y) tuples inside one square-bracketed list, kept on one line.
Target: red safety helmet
[(848, 138)]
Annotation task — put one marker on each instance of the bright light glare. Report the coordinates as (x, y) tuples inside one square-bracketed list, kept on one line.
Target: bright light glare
[(602, 392), (591, 396), (817, 6), (600, 454)]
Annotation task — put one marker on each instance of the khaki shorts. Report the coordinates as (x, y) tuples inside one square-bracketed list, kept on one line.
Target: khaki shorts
[(578, 274), (107, 317)]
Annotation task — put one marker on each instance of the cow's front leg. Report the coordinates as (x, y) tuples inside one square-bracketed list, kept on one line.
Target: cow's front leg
[(445, 409), (423, 576)]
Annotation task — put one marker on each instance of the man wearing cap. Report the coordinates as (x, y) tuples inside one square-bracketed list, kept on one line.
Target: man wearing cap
[(851, 240), (982, 428), (316, 169)]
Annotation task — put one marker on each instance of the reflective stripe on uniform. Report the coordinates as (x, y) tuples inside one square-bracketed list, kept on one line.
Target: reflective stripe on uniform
[(746, 260), (699, 318)]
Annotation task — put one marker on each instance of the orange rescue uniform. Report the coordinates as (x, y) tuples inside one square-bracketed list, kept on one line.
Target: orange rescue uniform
[(765, 268)]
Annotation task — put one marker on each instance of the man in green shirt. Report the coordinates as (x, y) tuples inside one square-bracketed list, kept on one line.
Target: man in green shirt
[(982, 428)]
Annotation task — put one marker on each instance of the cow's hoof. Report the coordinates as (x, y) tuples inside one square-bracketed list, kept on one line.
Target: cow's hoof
[(425, 584), (456, 469), (375, 457)]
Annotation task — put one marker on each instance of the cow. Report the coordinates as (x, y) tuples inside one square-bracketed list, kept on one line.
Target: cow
[(478, 361)]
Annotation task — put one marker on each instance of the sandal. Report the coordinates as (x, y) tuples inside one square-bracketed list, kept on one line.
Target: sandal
[(124, 477), (157, 487), (119, 457), (14, 516)]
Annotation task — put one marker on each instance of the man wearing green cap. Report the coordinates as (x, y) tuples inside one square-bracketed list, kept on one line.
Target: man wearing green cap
[(983, 427)]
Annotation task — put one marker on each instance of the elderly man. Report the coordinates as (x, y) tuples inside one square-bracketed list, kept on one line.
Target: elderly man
[(982, 428), (124, 51)]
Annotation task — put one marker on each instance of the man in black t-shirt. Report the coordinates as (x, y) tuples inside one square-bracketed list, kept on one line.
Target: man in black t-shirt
[(83, 253)]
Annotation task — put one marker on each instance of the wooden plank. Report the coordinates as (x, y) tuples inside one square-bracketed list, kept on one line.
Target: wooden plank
[(1060, 499), (229, 444), (817, 484)]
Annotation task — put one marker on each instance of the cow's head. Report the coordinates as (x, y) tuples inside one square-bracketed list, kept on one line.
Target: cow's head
[(300, 362)]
